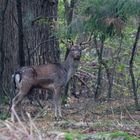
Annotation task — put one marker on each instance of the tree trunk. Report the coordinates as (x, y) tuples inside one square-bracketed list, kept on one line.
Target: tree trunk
[(37, 21), (20, 34), (39, 28), (134, 88), (99, 49), (110, 81), (2, 51)]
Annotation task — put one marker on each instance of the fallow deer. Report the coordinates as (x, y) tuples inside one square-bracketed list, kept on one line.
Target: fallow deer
[(48, 76)]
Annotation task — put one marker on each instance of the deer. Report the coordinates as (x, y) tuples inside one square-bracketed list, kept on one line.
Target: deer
[(52, 76)]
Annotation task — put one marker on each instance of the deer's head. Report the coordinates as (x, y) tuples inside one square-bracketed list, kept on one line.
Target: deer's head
[(75, 51)]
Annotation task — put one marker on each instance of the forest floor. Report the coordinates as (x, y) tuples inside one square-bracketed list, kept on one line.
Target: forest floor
[(84, 119)]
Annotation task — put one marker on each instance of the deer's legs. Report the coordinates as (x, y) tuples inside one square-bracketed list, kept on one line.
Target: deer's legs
[(57, 104), (17, 101)]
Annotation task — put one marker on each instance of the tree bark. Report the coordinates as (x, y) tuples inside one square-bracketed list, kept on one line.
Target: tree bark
[(39, 28), (20, 34), (2, 51)]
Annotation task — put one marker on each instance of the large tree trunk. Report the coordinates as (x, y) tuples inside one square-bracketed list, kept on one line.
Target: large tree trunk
[(30, 25), (2, 51), (39, 21), (8, 45)]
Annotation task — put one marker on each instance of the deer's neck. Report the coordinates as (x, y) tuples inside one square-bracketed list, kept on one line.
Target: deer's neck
[(70, 65)]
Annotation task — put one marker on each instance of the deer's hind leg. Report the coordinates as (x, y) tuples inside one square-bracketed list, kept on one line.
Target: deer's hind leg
[(23, 90)]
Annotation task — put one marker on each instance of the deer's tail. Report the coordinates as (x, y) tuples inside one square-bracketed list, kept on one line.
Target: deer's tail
[(16, 78)]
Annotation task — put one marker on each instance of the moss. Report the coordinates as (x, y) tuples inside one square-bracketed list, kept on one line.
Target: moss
[(99, 136), (123, 134), (69, 136)]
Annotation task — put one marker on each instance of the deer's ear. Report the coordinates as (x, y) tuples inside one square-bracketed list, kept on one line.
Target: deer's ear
[(70, 41), (68, 44)]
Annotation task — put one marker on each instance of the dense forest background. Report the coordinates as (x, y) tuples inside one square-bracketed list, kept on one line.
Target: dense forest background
[(33, 32)]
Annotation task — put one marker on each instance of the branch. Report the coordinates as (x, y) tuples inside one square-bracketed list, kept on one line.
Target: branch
[(39, 45)]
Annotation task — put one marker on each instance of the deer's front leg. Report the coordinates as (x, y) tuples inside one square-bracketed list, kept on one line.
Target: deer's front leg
[(57, 104)]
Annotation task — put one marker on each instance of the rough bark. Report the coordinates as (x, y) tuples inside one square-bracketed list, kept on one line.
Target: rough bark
[(20, 34), (40, 24), (2, 51)]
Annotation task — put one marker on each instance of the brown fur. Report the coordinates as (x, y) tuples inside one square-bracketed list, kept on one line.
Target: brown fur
[(50, 76)]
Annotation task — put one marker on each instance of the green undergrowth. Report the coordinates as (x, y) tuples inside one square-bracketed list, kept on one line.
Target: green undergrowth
[(3, 116), (123, 134), (100, 136)]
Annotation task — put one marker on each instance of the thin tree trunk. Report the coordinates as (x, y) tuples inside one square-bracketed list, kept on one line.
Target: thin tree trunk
[(98, 83), (134, 88), (110, 81), (20, 33), (99, 76)]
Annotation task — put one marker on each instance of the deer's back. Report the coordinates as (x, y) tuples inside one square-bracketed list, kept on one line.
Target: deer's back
[(50, 74), (43, 76)]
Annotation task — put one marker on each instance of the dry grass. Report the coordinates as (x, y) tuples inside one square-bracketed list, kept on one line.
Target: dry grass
[(20, 130), (82, 115)]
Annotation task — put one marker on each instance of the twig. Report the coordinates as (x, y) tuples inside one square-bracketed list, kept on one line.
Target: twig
[(39, 45)]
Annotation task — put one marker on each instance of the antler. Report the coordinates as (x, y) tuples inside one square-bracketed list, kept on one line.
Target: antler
[(87, 41)]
